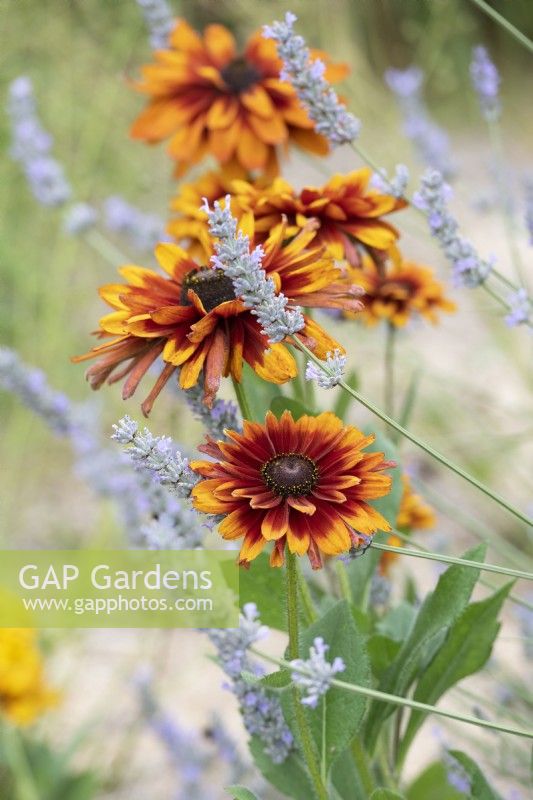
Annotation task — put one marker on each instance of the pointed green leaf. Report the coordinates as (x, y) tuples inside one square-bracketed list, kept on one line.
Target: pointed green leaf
[(344, 711), (259, 393), (464, 651), (386, 794), (480, 789), (240, 793), (290, 777), (382, 652), (433, 784), (439, 610)]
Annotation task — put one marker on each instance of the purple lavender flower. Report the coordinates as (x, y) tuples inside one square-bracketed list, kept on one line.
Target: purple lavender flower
[(144, 230), (430, 140), (486, 82), (315, 674), (159, 20), (469, 269), (262, 714), (520, 308), (307, 77), (79, 218), (31, 145)]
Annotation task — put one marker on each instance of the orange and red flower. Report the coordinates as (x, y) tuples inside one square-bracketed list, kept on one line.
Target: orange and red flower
[(414, 514), (348, 213), (303, 484), (192, 318), (396, 290), (206, 97)]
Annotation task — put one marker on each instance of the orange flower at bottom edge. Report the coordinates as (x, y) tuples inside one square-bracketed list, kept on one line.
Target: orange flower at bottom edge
[(304, 484), (414, 514)]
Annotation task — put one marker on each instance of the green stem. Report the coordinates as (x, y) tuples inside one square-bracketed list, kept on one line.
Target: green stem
[(242, 399), (105, 248), (344, 583), (323, 760), (388, 383), (514, 573), (491, 12), (306, 740), (396, 700), (25, 786), (363, 767), (420, 443)]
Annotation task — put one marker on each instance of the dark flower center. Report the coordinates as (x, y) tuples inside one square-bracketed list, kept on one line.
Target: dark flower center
[(211, 285), (290, 473), (239, 75), (397, 289)]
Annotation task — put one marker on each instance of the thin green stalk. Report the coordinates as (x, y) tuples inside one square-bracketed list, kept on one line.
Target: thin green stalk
[(242, 399), (513, 598), (344, 583), (363, 767), (25, 786), (420, 443), (514, 573), (306, 740), (518, 35), (495, 135), (388, 384), (375, 694), (323, 760)]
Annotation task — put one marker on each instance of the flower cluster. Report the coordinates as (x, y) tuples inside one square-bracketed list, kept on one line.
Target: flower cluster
[(79, 218), (314, 675), (430, 141), (486, 82), (157, 454), (24, 693), (143, 230), (159, 20), (332, 372), (261, 712), (306, 75), (249, 279), (222, 414), (31, 147), (469, 269), (395, 185)]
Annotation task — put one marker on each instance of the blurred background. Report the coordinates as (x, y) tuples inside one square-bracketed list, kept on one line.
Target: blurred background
[(475, 374)]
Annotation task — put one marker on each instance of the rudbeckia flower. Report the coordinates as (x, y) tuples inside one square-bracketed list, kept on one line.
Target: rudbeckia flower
[(24, 693), (209, 98), (396, 290), (414, 514), (304, 485), (192, 318), (347, 211)]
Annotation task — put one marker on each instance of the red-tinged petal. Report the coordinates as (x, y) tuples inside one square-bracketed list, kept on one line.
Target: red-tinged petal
[(301, 504), (275, 522)]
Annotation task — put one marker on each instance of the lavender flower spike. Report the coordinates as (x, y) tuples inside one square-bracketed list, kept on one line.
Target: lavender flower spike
[(396, 185), (262, 713), (249, 279), (469, 269), (159, 20), (520, 309), (314, 675), (307, 77), (486, 82), (331, 374), (157, 454)]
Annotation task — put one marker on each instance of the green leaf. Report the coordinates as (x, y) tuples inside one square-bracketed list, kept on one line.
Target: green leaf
[(281, 404), (479, 787), (465, 650), (438, 612), (398, 622), (346, 779), (290, 777), (265, 586), (433, 784), (344, 710), (240, 793), (259, 393), (382, 652), (386, 794), (345, 399)]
